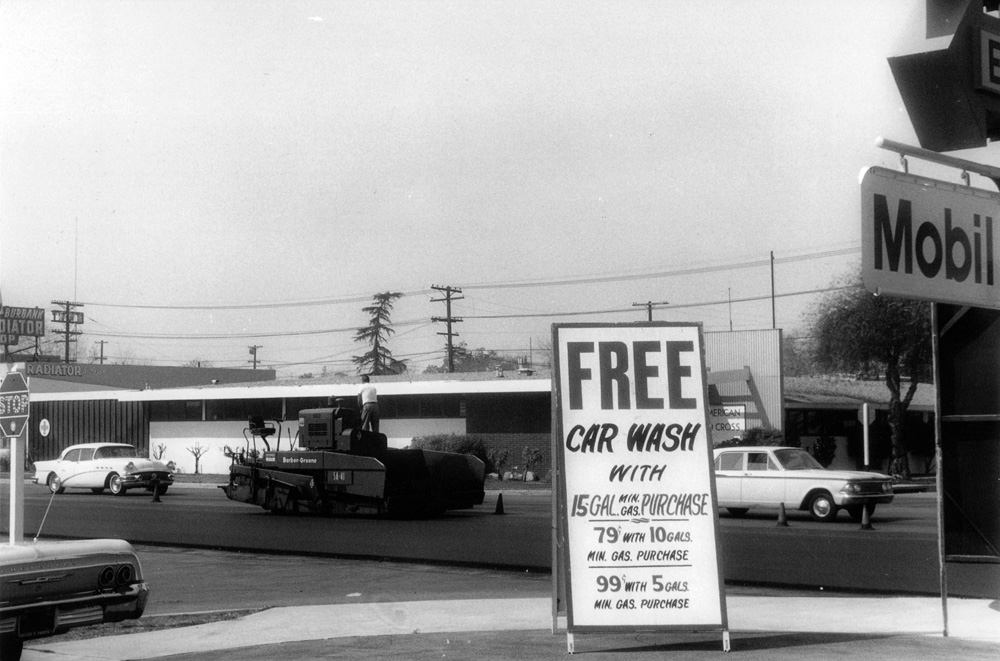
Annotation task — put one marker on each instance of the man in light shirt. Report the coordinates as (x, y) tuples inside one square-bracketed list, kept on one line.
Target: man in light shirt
[(368, 403)]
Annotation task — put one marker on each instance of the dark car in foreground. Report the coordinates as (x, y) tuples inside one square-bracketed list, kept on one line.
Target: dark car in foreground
[(49, 587)]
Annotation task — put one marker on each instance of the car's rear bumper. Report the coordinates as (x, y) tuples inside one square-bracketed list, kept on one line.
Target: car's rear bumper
[(58, 615)]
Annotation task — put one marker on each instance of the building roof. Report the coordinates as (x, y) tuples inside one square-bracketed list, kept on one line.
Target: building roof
[(836, 392), (799, 391)]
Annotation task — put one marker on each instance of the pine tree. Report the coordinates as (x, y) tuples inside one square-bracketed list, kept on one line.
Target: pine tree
[(378, 359)]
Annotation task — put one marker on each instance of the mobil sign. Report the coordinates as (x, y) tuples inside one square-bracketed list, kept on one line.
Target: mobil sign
[(928, 239)]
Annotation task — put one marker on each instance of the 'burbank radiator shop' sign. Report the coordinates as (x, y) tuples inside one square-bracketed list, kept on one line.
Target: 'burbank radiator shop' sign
[(637, 528)]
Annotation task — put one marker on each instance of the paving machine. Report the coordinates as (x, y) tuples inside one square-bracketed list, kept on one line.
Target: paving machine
[(338, 468)]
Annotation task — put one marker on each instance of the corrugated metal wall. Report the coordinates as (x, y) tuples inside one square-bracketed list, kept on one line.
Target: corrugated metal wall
[(760, 351), (87, 421)]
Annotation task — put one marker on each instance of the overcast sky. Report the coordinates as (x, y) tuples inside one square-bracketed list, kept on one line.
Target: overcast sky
[(199, 169)]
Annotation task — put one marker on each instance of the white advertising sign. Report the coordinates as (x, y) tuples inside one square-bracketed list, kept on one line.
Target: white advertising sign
[(727, 421), (928, 239), (636, 492)]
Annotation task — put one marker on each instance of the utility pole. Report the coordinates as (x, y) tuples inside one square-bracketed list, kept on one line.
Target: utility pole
[(449, 293), (102, 343), (253, 352), (70, 320), (649, 307), (774, 316)]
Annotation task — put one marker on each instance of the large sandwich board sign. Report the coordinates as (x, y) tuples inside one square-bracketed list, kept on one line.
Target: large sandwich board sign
[(637, 529)]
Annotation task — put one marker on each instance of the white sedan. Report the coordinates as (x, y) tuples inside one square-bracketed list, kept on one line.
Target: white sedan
[(99, 466), (748, 477)]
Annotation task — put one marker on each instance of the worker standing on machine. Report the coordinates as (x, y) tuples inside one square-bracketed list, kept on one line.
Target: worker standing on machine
[(368, 403)]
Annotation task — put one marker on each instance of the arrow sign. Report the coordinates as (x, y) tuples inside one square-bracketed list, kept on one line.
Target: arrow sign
[(14, 405)]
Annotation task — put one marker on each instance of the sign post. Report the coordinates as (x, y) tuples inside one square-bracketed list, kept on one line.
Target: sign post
[(866, 416), (637, 530), (14, 409), (932, 240)]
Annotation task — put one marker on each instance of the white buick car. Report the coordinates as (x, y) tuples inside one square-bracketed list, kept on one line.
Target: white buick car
[(750, 477), (116, 467)]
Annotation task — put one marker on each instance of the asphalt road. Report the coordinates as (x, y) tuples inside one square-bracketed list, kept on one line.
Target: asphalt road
[(898, 556)]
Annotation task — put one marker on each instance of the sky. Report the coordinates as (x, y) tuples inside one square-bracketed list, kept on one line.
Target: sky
[(205, 176)]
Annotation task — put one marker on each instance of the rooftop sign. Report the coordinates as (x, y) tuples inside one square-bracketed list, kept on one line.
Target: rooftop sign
[(928, 239)]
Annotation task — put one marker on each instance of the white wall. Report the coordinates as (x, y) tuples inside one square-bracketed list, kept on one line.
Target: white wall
[(213, 437)]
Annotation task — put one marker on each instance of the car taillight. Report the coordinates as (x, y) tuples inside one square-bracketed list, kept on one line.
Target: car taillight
[(106, 577), (125, 575)]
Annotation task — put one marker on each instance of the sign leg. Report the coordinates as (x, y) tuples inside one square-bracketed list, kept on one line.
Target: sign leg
[(570, 643), (725, 640)]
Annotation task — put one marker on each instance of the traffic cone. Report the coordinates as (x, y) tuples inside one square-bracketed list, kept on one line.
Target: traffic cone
[(782, 517), (499, 509), (866, 523), (156, 491)]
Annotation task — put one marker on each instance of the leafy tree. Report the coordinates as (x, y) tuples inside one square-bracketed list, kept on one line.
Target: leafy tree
[(796, 359), (859, 332), (378, 359), (475, 360)]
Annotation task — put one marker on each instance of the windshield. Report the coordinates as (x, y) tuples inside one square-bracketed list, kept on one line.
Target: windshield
[(115, 451), (795, 459)]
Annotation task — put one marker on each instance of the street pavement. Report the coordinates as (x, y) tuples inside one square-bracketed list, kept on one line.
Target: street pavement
[(459, 613)]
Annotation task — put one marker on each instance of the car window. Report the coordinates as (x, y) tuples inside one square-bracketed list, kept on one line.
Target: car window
[(757, 461), (86, 454), (729, 461), (72, 455), (115, 451), (796, 459)]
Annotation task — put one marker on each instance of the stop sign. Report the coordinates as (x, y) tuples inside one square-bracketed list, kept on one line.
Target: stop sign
[(14, 407)]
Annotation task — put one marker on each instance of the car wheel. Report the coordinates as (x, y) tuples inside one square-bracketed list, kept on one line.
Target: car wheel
[(116, 485), (55, 484), (97, 489), (822, 507), (857, 511), (11, 646), (738, 511)]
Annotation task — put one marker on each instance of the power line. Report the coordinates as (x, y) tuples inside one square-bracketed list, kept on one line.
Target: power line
[(588, 280), (671, 307), (554, 282), (355, 298)]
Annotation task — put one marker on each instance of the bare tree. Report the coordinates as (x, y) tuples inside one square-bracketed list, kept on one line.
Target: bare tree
[(198, 451)]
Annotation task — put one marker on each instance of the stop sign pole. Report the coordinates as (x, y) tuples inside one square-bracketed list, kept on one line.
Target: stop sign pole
[(15, 400)]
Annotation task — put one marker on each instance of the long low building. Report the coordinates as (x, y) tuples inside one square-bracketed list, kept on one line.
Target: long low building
[(193, 418)]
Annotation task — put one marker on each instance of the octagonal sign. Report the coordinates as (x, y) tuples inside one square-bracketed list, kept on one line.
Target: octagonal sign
[(14, 405)]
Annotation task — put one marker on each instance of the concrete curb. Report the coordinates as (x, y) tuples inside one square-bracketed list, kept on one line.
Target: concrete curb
[(970, 619)]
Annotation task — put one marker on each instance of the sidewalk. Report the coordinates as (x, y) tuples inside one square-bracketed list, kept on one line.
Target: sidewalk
[(761, 627)]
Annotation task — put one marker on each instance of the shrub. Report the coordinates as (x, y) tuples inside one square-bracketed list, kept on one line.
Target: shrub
[(756, 437), (825, 450), (497, 460), (460, 443), (532, 457)]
